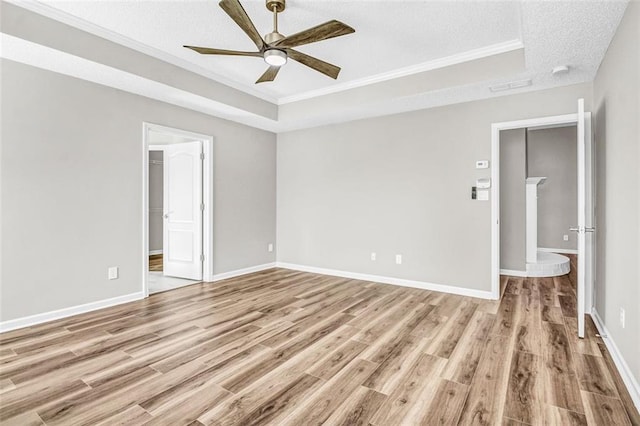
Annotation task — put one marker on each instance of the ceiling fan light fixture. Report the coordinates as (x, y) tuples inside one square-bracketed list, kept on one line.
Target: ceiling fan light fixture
[(275, 57)]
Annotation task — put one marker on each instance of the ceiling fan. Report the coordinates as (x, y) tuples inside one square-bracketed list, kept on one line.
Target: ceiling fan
[(275, 48)]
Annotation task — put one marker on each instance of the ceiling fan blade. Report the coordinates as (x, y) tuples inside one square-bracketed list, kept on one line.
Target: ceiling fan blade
[(269, 75), (235, 10), (212, 51), (315, 63), (320, 32)]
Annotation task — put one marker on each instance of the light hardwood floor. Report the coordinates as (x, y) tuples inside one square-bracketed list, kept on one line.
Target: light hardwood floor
[(290, 348), (155, 262)]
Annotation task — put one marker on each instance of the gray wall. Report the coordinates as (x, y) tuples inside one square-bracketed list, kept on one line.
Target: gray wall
[(616, 101), (400, 185), (72, 195), (553, 153), (156, 198), (513, 173)]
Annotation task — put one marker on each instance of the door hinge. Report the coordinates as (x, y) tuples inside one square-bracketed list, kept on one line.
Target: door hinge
[(202, 258), (202, 206), (202, 155)]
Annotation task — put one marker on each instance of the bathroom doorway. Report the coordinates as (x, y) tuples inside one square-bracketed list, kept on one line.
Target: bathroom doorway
[(581, 121), (538, 200)]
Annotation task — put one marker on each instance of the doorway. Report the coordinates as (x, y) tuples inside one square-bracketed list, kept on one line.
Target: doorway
[(585, 205), (538, 200), (177, 209)]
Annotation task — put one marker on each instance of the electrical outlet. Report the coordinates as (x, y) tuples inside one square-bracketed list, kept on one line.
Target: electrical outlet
[(112, 273), (565, 237), (398, 259), (270, 247), (373, 256), (622, 317)]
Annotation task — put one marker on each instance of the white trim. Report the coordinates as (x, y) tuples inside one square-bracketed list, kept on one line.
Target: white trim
[(44, 9), (244, 271), (152, 252), (208, 198), (513, 273), (458, 58), (629, 380), (558, 250), (481, 294), (67, 312)]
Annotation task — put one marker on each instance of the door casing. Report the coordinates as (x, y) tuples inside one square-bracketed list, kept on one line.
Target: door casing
[(208, 198), (542, 122)]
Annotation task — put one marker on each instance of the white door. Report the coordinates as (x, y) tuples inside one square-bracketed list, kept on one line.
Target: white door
[(584, 230), (182, 231)]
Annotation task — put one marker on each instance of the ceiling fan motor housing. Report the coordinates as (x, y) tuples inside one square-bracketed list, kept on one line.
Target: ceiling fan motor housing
[(278, 4), (273, 37)]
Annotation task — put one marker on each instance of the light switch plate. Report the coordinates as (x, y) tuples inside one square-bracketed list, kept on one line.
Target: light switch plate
[(483, 183), (482, 164), (112, 273), (483, 195)]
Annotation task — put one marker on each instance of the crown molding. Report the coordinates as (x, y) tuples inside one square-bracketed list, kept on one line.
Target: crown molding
[(51, 12), (48, 11), (33, 54), (458, 58), (39, 56)]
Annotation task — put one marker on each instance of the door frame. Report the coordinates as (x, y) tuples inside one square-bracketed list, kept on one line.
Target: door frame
[(541, 122), (207, 197)]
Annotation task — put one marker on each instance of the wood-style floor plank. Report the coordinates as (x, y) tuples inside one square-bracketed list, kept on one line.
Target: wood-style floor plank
[(523, 398), (602, 410), (447, 404), (285, 347), (560, 383), (408, 395), (559, 416), (329, 397)]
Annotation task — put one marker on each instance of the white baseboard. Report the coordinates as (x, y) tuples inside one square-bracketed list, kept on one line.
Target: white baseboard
[(481, 294), (558, 250), (67, 312), (623, 368), (152, 252), (244, 271), (513, 273)]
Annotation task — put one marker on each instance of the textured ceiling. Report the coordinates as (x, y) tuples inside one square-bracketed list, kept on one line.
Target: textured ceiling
[(405, 55), (389, 35)]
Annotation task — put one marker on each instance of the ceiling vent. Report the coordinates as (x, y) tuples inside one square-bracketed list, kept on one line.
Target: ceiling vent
[(510, 86)]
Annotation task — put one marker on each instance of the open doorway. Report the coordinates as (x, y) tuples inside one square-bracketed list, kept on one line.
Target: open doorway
[(177, 214), (528, 250), (538, 201)]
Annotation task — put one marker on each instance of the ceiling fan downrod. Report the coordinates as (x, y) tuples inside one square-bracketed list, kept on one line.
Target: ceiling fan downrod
[(275, 6)]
